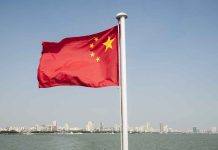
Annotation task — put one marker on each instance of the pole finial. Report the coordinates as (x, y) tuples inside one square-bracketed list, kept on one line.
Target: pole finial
[(121, 14)]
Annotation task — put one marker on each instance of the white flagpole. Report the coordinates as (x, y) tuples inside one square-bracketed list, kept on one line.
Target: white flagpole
[(122, 41)]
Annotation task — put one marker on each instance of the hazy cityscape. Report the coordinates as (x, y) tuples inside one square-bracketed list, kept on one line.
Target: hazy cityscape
[(91, 127)]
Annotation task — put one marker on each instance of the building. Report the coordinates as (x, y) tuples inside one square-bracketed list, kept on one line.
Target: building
[(147, 127), (213, 130), (66, 127), (54, 126), (116, 128), (90, 126), (101, 127), (163, 128), (38, 127), (195, 130), (139, 129)]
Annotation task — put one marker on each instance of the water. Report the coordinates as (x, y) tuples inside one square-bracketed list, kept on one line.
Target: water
[(109, 142)]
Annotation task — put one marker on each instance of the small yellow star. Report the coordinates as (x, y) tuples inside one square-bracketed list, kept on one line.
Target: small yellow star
[(108, 43), (97, 59), (92, 54), (96, 39), (91, 45)]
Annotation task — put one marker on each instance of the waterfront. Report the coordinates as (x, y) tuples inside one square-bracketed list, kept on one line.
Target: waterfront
[(109, 142)]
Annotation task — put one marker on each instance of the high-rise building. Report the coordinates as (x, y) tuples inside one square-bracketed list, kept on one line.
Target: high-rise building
[(90, 126), (213, 130), (116, 128), (38, 127), (101, 127), (66, 127), (195, 130), (147, 127), (54, 126), (54, 123), (163, 128)]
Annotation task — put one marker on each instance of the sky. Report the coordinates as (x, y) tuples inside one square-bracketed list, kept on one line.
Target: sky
[(172, 62)]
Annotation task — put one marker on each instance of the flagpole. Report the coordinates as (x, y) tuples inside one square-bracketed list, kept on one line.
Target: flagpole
[(122, 41)]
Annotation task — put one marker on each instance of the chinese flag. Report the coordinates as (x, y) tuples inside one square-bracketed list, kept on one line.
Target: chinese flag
[(90, 61)]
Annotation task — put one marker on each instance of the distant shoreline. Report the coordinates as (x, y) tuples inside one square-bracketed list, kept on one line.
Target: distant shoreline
[(86, 132)]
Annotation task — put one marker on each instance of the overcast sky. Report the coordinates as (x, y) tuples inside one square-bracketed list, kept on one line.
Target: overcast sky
[(172, 62)]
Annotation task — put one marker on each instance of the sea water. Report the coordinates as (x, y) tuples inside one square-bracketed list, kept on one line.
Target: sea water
[(109, 142)]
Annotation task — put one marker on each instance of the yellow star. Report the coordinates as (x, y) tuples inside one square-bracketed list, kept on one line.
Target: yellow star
[(97, 59), (92, 54), (108, 43), (96, 39), (91, 45)]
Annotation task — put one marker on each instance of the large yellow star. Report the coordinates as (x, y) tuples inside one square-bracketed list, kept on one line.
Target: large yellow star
[(108, 43)]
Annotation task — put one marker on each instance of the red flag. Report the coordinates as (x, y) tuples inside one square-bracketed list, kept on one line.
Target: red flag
[(90, 61)]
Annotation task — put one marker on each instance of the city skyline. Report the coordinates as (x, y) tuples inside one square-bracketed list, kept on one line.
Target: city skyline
[(171, 62), (92, 127)]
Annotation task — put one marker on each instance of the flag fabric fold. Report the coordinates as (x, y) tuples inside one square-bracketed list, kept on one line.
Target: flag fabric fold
[(90, 61)]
